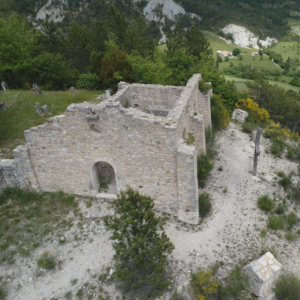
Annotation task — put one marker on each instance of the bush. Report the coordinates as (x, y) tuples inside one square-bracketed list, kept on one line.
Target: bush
[(265, 203), (210, 139), (256, 114), (203, 286), (248, 127), (285, 181), (277, 147), (275, 222), (204, 204), (219, 114), (203, 87), (46, 261), (235, 286), (142, 246), (290, 153), (292, 219), (89, 82), (288, 287), (204, 167), (280, 209), (290, 236), (2, 293), (191, 139)]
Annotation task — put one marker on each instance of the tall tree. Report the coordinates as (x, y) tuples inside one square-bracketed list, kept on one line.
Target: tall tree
[(141, 245)]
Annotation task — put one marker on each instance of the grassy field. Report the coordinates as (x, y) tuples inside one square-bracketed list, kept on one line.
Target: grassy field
[(241, 86), (295, 24), (21, 115), (287, 49)]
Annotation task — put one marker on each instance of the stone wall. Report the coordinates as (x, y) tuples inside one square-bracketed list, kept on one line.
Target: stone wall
[(156, 99), (147, 151)]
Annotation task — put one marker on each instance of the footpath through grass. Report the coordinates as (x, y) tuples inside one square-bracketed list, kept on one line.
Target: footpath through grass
[(21, 115)]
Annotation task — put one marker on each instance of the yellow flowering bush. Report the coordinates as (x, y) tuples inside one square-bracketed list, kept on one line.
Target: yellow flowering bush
[(27, 85), (203, 286), (275, 131), (257, 114)]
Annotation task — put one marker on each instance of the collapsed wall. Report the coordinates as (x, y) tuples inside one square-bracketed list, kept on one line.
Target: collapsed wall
[(107, 148)]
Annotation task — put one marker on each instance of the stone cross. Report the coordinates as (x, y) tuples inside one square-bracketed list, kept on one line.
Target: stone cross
[(36, 89), (256, 151), (4, 85), (38, 109)]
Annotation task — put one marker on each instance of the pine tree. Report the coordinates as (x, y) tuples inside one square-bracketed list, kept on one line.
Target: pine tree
[(141, 252)]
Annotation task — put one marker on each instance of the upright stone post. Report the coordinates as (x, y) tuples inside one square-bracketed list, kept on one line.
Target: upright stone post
[(256, 151)]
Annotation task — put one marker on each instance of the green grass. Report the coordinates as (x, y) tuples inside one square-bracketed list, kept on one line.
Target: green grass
[(241, 83), (276, 222), (46, 261), (27, 220), (287, 49), (22, 115), (288, 287)]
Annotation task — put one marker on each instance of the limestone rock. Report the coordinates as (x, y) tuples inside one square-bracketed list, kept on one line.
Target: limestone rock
[(239, 115), (245, 38), (262, 274)]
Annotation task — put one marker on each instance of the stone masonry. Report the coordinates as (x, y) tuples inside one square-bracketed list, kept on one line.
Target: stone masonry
[(262, 275), (143, 146)]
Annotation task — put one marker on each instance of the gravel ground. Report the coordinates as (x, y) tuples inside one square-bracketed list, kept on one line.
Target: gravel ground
[(231, 234)]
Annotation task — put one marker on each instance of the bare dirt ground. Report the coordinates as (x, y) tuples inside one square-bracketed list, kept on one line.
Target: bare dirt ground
[(231, 234)]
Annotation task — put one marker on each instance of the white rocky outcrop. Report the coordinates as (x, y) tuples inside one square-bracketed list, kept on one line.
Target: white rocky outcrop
[(245, 38), (54, 13), (170, 9)]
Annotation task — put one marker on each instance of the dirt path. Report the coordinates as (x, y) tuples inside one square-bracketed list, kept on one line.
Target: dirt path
[(231, 234)]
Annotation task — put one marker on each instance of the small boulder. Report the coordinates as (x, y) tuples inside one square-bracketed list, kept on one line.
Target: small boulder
[(72, 89)]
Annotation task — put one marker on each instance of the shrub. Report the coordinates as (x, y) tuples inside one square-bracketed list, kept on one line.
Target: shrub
[(204, 204), (290, 236), (292, 219), (191, 139), (290, 153), (256, 114), (204, 167), (288, 287), (89, 82), (235, 286), (263, 233), (2, 293), (285, 181), (46, 261), (203, 86), (140, 250), (280, 209), (277, 147), (265, 203), (203, 286), (248, 127), (275, 130), (219, 114), (276, 222)]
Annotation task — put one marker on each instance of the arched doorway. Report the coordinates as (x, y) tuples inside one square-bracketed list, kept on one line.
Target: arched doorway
[(105, 178)]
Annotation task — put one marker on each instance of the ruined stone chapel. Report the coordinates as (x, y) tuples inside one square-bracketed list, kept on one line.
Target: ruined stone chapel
[(100, 149)]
